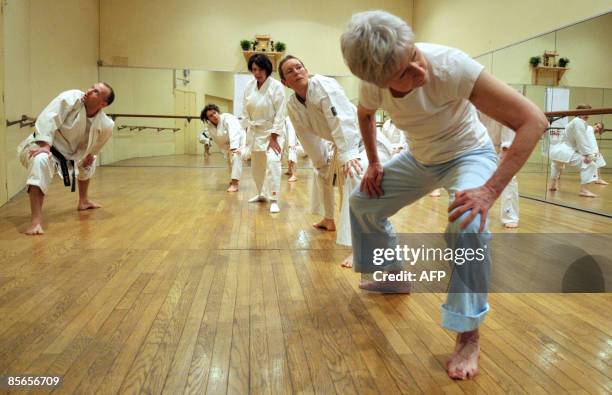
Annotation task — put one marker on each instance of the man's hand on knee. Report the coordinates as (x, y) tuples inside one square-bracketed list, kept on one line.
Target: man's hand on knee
[(476, 201)]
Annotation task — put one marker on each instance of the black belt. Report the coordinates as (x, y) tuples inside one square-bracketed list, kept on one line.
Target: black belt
[(63, 162)]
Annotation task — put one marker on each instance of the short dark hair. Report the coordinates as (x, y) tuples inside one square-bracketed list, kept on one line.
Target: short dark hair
[(111, 96), (262, 62), (282, 62), (583, 107), (204, 113)]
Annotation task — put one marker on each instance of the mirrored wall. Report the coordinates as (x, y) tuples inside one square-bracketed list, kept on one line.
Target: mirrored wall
[(587, 80)]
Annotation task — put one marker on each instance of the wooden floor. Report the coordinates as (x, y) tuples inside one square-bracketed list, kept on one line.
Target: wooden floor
[(176, 286)]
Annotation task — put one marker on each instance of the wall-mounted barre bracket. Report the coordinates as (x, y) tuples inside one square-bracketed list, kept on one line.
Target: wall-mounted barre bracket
[(139, 128), (24, 121)]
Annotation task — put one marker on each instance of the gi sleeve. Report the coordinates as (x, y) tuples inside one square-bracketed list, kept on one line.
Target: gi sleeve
[(341, 117)]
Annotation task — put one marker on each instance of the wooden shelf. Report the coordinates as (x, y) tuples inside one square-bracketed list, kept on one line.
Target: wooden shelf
[(556, 71), (275, 57)]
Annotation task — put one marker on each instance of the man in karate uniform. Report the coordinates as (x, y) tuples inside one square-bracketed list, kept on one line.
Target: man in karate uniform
[(502, 138), (575, 150), (395, 136), (321, 113), (74, 127), (592, 131), (227, 132)]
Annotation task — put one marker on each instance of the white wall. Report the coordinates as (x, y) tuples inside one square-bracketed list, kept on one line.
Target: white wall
[(205, 34)]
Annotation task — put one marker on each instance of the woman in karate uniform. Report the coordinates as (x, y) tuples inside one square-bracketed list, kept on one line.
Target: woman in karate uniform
[(263, 117), (227, 132)]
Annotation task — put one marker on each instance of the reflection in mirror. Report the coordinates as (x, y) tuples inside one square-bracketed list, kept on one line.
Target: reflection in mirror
[(586, 81)]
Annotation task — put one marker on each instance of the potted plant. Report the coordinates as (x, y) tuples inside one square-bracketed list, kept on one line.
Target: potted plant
[(245, 45), (280, 46), (563, 62), (534, 61)]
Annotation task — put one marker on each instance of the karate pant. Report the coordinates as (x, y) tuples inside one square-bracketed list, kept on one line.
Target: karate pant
[(42, 167), (405, 181), (323, 193), (266, 167), (294, 153), (509, 212), (588, 171), (234, 164)]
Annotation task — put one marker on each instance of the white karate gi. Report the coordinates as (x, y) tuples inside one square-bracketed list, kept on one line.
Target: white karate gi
[(594, 148), (502, 138), (328, 116), (396, 137), (203, 138), (293, 147), (263, 114), (64, 125), (572, 149), (230, 137)]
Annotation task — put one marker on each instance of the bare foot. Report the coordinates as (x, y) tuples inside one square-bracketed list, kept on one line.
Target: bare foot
[(35, 230), (347, 262), (554, 186), (326, 224), (232, 188), (88, 205), (586, 193), (464, 362), (511, 225), (601, 182), (435, 193), (387, 286), (292, 179)]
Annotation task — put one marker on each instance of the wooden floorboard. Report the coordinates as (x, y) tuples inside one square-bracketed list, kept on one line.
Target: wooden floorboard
[(176, 286)]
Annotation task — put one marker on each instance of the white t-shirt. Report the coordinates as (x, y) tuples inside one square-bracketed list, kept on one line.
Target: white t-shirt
[(439, 121)]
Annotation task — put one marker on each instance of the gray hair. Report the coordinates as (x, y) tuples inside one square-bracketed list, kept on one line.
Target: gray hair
[(373, 43)]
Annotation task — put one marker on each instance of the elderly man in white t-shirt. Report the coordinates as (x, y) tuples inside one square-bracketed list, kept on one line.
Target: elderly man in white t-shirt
[(432, 92)]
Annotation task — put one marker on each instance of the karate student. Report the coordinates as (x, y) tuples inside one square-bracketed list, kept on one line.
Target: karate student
[(263, 115), (598, 158), (502, 138), (69, 133), (432, 92), (395, 136), (205, 139), (227, 132), (292, 146), (575, 150), (321, 113)]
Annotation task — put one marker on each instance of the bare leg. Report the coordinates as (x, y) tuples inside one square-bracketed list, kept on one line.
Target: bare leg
[(84, 202), (36, 202), (326, 224), (554, 184), (291, 172), (233, 186), (600, 181), (464, 362)]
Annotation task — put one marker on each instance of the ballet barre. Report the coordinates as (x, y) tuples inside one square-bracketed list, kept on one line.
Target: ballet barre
[(23, 122), (187, 117), (555, 115)]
